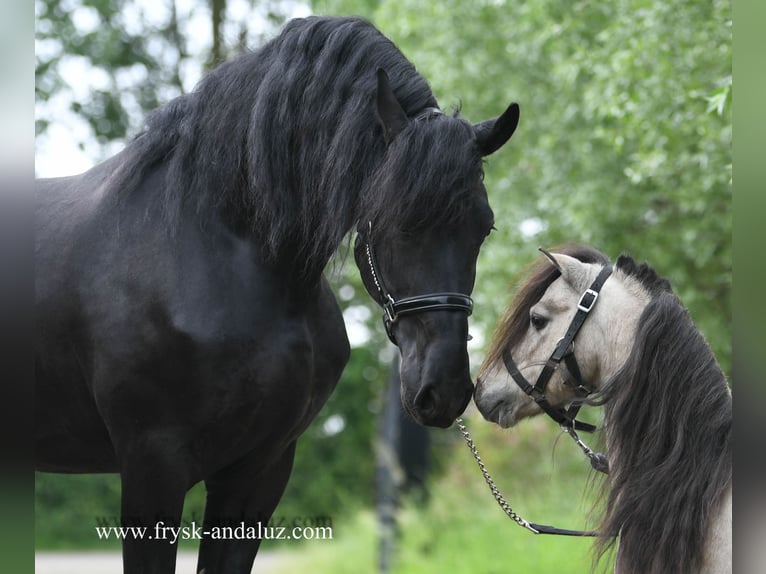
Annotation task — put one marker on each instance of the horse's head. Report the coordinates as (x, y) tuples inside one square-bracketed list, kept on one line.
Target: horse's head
[(424, 218), (541, 320)]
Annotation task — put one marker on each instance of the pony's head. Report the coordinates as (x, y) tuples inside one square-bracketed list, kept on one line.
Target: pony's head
[(424, 217), (667, 407), (537, 321)]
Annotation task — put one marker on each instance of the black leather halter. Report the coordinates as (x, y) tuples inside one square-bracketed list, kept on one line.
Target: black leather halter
[(564, 351), (394, 308)]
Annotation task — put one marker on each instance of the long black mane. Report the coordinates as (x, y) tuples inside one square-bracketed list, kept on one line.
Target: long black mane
[(284, 143), (668, 415)]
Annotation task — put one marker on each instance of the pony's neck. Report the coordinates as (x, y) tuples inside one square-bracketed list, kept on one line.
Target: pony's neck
[(627, 300), (668, 429)]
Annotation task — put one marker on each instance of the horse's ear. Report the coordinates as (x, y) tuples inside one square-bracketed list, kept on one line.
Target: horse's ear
[(573, 271), (492, 134), (390, 113)]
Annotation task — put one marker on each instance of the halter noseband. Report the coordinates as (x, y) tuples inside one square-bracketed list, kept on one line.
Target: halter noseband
[(394, 308), (565, 351)]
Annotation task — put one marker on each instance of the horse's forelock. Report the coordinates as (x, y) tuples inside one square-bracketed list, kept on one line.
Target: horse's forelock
[(428, 176)]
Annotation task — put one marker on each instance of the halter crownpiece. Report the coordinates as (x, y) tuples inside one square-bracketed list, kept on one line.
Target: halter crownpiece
[(427, 114), (394, 308)]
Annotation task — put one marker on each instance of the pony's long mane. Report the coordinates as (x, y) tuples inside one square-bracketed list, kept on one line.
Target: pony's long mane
[(282, 140), (668, 418)]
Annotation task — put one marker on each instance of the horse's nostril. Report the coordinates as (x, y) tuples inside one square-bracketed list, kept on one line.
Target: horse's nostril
[(426, 399)]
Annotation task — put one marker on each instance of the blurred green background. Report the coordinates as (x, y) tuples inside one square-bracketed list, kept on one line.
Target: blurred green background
[(624, 142)]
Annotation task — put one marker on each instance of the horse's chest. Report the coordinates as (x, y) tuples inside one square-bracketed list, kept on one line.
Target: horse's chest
[(268, 387), (260, 358)]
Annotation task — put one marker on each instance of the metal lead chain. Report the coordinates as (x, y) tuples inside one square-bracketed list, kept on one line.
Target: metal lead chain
[(491, 483)]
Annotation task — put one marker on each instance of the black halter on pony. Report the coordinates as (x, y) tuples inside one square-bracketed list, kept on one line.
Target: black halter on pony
[(566, 418), (565, 351)]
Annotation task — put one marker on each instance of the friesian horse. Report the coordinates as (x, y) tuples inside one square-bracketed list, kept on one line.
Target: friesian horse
[(667, 405), (185, 329)]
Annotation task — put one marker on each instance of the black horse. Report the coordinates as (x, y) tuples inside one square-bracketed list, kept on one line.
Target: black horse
[(185, 329)]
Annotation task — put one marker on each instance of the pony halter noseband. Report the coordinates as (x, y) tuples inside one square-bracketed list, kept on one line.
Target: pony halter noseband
[(564, 351), (394, 308)]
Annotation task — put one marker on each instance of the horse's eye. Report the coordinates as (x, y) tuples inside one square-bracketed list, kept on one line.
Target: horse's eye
[(538, 321)]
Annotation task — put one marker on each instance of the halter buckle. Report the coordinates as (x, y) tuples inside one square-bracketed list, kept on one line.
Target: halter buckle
[(389, 307), (584, 304), (536, 394)]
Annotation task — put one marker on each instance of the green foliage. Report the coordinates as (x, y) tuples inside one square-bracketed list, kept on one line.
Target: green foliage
[(100, 35), (135, 58), (624, 139), (69, 507)]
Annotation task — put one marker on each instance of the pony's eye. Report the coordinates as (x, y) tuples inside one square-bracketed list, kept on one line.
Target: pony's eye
[(538, 321)]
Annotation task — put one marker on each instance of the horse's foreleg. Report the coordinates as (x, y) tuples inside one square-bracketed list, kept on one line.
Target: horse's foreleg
[(239, 498), (153, 489)]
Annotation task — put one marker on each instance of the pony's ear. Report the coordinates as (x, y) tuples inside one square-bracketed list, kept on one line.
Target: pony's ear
[(492, 134), (573, 271), (390, 113)]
